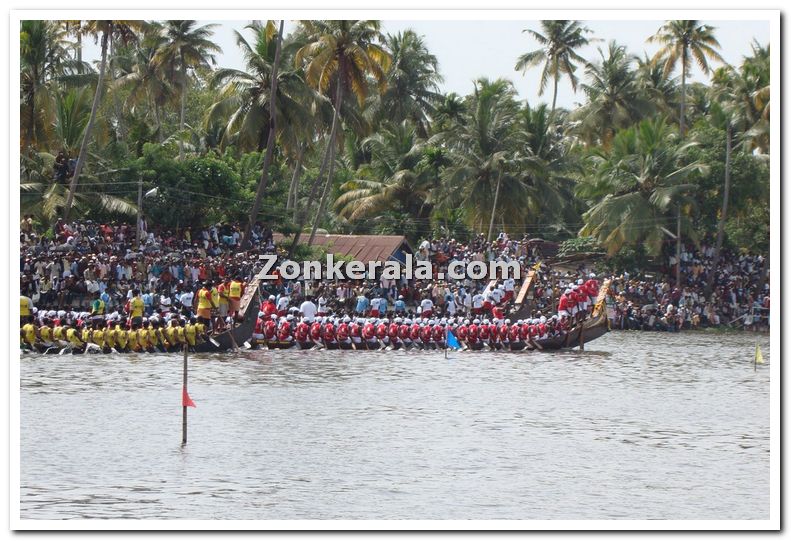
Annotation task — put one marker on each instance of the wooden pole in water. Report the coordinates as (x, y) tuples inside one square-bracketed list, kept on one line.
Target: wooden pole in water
[(184, 406), (582, 337)]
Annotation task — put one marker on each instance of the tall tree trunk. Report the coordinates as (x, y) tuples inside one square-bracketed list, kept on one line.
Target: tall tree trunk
[(724, 214), (315, 185), (183, 106), (293, 188), (270, 144), (155, 107), (86, 138), (678, 246), (79, 46), (116, 104), (759, 288), (494, 207), (683, 107), (302, 215), (554, 97), (323, 203), (34, 90), (336, 114)]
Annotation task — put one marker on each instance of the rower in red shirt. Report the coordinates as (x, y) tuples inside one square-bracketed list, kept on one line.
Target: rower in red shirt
[(369, 332), (414, 333), (356, 332), (284, 331), (270, 328), (315, 331), (438, 334), (268, 306), (472, 334), (483, 332), (328, 333), (343, 331), (301, 332), (381, 330), (425, 336)]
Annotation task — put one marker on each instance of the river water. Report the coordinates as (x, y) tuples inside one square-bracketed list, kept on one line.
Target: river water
[(639, 426)]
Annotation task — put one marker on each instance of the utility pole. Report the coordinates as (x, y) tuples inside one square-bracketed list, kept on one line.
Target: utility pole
[(139, 207), (678, 247)]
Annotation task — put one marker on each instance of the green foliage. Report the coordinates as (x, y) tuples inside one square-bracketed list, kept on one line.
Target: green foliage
[(409, 159), (750, 231), (749, 177), (196, 191), (579, 245)]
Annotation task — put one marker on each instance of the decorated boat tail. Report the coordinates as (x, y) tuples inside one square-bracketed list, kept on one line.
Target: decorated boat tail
[(590, 329), (241, 332)]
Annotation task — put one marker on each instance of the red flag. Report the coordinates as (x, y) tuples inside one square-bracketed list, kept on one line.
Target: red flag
[(186, 401)]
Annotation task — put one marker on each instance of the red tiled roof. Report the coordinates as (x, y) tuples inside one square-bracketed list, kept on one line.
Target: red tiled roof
[(359, 247)]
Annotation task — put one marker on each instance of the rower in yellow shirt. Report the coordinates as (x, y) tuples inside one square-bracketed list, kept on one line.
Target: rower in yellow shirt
[(45, 333), (164, 344), (59, 335), (73, 337), (28, 333), (153, 336), (85, 335), (142, 339), (131, 339), (190, 333), (97, 336), (172, 337), (109, 337), (180, 333), (121, 337)]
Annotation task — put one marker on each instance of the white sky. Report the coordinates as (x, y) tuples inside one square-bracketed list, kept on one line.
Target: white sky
[(470, 49)]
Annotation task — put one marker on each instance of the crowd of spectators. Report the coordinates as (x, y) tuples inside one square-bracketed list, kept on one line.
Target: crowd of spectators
[(73, 264)]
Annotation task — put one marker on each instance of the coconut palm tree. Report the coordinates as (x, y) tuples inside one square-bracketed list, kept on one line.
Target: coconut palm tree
[(187, 47), (636, 185), (270, 138), (72, 110), (657, 86), (614, 98), (43, 53), (147, 87), (412, 83), (549, 168), (392, 181), (733, 94), (242, 106), (559, 42), (105, 29), (751, 89), (484, 159), (342, 54), (683, 41)]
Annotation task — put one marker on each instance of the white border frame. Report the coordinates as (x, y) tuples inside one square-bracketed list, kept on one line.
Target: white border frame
[(773, 19)]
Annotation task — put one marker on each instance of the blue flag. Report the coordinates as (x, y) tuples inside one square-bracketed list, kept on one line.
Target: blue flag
[(452, 342)]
